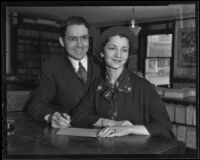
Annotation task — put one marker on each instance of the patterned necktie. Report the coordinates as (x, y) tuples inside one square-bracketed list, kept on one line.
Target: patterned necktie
[(82, 73)]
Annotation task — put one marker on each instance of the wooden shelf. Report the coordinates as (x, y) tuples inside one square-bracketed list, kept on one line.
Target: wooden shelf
[(32, 45), (186, 101)]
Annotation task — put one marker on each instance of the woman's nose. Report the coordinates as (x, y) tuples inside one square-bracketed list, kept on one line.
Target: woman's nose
[(117, 54)]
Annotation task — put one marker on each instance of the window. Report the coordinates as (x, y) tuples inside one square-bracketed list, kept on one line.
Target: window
[(158, 59)]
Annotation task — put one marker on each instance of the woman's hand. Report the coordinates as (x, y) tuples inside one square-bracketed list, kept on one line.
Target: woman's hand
[(115, 131), (112, 123), (103, 122), (123, 131), (60, 120)]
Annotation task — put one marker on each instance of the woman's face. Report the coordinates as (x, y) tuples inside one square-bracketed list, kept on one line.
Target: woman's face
[(116, 52)]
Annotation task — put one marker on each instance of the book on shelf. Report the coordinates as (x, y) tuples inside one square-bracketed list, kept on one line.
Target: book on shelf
[(189, 114), (191, 138), (180, 85), (194, 116), (181, 133), (180, 113), (190, 92), (185, 134), (176, 93)]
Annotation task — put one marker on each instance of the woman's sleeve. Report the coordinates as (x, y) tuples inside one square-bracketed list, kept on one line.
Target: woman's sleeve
[(159, 122), (83, 115)]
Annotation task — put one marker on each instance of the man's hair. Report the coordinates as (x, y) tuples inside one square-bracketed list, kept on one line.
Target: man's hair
[(73, 20)]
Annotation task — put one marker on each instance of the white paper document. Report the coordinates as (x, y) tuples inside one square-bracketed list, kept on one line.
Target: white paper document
[(82, 132)]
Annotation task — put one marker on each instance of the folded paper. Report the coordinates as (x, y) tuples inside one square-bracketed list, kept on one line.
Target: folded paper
[(82, 132)]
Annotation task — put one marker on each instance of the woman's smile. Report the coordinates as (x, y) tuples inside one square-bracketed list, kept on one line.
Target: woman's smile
[(117, 60)]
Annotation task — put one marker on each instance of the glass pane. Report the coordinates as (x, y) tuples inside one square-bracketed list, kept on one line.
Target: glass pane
[(157, 71), (159, 45)]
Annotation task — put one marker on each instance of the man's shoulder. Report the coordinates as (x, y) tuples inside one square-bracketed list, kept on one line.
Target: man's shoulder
[(94, 59), (96, 63), (55, 60)]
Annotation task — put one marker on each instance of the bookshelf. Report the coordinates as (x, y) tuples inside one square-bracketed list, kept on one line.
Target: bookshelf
[(182, 113), (32, 44)]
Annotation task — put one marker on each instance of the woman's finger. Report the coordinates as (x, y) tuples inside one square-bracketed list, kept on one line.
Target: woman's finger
[(107, 132), (103, 131)]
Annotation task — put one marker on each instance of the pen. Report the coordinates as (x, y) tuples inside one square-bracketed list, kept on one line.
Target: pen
[(66, 117)]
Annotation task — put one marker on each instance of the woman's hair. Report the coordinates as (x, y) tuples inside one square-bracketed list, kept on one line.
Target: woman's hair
[(73, 20), (108, 38), (122, 31)]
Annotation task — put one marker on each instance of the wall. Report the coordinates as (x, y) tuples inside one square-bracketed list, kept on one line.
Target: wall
[(94, 32)]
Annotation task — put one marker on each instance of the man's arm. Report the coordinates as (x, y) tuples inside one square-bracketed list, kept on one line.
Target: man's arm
[(39, 105)]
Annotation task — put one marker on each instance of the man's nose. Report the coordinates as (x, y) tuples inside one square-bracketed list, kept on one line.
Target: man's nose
[(79, 42)]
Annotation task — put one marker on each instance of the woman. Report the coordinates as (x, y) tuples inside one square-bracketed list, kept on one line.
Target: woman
[(120, 101)]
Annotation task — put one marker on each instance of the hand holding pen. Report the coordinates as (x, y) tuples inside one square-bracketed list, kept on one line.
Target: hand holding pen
[(60, 120)]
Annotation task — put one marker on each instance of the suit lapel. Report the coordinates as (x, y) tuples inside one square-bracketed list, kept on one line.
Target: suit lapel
[(72, 79)]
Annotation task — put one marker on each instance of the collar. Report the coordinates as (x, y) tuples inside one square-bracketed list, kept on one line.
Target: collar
[(75, 64), (123, 84)]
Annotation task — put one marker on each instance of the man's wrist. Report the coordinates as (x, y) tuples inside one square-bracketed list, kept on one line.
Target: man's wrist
[(47, 118)]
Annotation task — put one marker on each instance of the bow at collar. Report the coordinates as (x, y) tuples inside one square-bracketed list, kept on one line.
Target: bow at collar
[(122, 84)]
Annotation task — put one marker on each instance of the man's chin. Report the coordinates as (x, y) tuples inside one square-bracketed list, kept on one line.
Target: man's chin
[(79, 57)]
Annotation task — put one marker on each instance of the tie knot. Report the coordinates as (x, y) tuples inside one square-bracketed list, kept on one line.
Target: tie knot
[(80, 64)]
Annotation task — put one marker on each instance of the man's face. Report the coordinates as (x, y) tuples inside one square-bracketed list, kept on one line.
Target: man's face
[(76, 41)]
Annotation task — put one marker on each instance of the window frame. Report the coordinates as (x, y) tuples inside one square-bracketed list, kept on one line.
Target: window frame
[(152, 28)]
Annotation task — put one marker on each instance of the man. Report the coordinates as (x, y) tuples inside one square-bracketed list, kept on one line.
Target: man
[(65, 79)]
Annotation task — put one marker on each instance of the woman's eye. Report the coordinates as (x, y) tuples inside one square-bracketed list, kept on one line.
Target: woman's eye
[(125, 50), (85, 37)]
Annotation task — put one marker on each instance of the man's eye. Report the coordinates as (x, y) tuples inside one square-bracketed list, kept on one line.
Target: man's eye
[(71, 38), (111, 48)]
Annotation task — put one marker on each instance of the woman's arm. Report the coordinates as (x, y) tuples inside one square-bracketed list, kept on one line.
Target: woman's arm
[(123, 131), (159, 122), (103, 122)]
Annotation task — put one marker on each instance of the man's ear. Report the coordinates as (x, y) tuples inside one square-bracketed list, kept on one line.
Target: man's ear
[(61, 41)]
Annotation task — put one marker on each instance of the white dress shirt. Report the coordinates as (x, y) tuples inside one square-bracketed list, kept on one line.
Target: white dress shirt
[(75, 63)]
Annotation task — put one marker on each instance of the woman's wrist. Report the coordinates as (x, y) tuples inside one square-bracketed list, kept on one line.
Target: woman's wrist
[(107, 122), (102, 122), (138, 129)]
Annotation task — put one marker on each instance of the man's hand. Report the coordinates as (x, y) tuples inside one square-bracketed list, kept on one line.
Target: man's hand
[(60, 120)]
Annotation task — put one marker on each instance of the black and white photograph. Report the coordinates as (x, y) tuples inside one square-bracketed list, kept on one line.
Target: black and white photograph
[(100, 80)]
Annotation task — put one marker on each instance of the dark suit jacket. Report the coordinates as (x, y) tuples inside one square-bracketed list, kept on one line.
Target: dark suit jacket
[(60, 89)]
